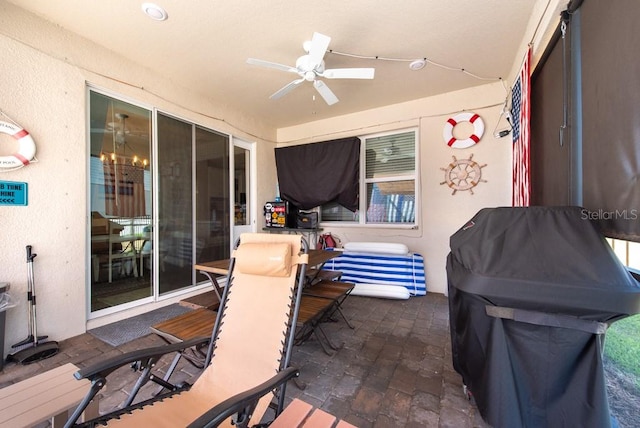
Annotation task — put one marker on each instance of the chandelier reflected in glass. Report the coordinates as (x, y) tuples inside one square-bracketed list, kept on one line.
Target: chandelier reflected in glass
[(120, 145)]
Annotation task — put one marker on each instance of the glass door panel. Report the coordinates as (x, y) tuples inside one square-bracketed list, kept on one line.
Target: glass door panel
[(212, 196), (175, 204), (120, 202)]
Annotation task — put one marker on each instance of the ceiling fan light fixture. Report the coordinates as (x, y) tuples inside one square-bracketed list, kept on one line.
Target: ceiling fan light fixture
[(154, 12), (311, 66), (417, 64)]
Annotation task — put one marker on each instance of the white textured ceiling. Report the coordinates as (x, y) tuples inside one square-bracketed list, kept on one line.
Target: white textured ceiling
[(204, 45)]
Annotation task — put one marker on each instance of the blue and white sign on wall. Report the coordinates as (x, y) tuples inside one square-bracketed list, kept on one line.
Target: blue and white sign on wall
[(13, 193)]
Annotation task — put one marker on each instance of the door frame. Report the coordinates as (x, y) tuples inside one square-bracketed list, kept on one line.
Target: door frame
[(253, 188)]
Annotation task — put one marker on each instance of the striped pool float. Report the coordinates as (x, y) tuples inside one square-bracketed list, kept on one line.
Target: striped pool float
[(373, 268)]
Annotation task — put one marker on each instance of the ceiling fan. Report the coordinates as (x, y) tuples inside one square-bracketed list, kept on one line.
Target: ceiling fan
[(310, 67)]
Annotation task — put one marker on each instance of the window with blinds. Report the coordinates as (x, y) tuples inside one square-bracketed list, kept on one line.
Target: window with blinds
[(388, 181)]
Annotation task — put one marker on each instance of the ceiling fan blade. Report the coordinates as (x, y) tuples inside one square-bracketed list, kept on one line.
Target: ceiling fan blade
[(286, 89), (319, 45), (325, 92), (349, 73), (270, 64)]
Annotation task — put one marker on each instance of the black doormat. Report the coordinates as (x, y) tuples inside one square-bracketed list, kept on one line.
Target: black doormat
[(120, 332)]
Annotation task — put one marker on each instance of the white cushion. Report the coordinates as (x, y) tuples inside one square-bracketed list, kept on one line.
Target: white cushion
[(377, 247), (380, 290)]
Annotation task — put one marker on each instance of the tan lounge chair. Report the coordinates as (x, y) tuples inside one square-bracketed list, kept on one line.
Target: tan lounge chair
[(250, 346)]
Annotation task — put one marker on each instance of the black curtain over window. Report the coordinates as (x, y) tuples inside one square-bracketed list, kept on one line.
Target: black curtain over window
[(310, 175)]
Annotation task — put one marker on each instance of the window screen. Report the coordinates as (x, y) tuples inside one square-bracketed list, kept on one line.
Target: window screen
[(390, 165)]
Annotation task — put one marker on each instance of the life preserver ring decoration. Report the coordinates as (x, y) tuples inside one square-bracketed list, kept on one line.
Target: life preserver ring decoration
[(26, 151), (478, 130)]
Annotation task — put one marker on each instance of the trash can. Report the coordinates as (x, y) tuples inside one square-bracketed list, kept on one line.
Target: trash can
[(6, 302), (531, 294)]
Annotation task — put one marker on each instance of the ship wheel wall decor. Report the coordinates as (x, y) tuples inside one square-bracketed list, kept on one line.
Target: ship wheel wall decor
[(463, 174)]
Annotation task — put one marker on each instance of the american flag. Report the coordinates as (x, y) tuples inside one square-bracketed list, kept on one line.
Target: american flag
[(520, 115), (124, 189)]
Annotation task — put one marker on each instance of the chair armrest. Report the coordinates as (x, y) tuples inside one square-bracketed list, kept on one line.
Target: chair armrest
[(145, 359), (243, 403), (104, 368)]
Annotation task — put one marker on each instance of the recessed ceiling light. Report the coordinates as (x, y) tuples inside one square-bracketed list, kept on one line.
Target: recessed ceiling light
[(417, 64), (154, 11)]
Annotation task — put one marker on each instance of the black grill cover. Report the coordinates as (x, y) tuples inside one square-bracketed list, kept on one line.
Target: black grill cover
[(531, 293)]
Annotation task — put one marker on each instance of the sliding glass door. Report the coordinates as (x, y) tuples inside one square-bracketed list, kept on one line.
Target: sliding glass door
[(120, 202), (193, 200), (154, 213), (175, 204), (212, 201)]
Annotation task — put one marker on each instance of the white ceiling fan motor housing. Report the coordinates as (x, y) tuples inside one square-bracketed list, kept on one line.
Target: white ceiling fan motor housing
[(306, 68)]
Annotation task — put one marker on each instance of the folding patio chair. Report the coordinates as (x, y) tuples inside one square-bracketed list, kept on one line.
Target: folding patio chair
[(313, 310), (336, 291), (249, 350), (186, 327), (182, 328)]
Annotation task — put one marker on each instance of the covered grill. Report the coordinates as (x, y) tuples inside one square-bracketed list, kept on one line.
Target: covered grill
[(531, 294)]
